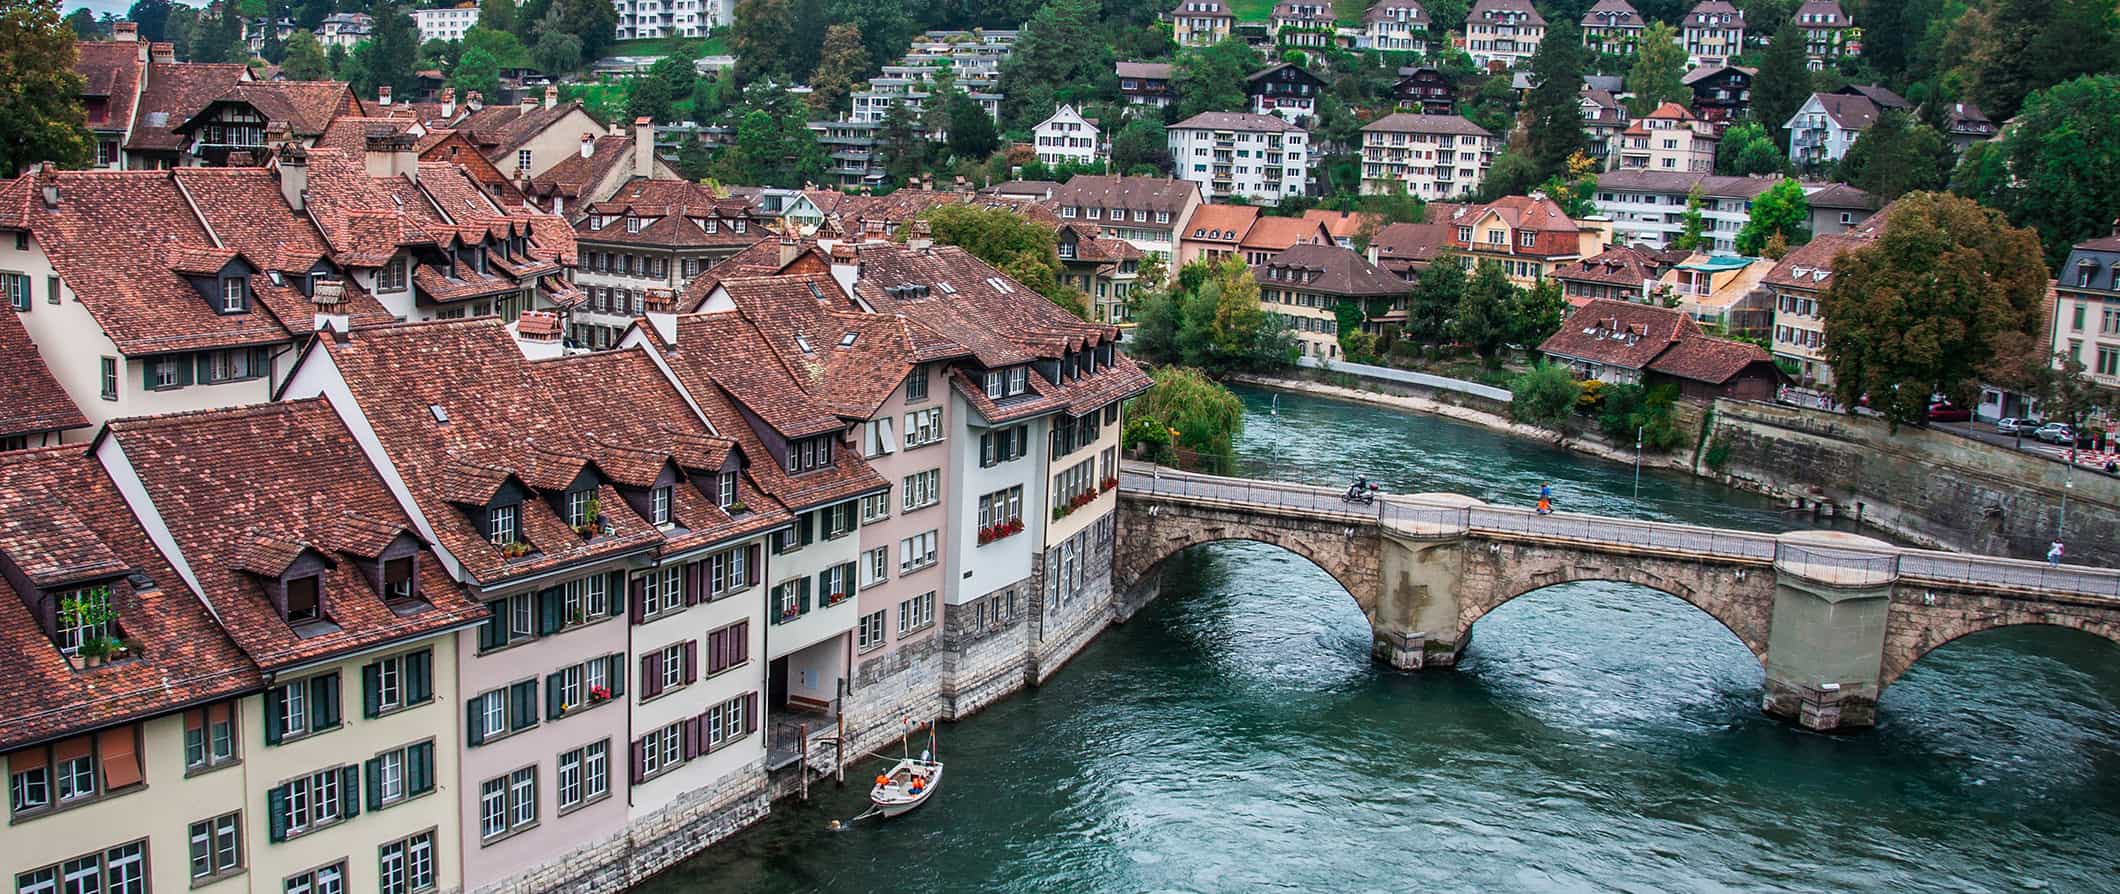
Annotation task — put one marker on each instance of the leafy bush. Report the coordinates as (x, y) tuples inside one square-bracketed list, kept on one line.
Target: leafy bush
[(1545, 396), (1651, 411)]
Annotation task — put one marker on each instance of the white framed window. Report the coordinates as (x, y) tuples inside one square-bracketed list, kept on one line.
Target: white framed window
[(916, 613), (923, 427), (917, 551), (584, 774), (216, 846), (875, 508), (725, 489), (233, 291), (922, 489), (875, 566), (659, 505), (500, 524), (869, 633)]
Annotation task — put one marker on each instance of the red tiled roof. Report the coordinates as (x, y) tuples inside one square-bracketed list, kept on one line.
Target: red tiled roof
[(1277, 233), (33, 401), (1326, 268), (1704, 358), (1345, 224), (303, 108), (574, 175), (1220, 223), (673, 214), (176, 91), (112, 70), (1620, 334)]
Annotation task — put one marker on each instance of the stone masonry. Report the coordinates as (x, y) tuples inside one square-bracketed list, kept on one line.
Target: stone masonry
[(653, 843)]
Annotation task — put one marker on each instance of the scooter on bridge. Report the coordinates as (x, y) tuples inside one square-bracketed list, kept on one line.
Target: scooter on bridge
[(1361, 491)]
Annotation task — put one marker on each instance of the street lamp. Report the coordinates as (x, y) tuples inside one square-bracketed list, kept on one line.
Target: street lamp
[(1638, 469), (2068, 483)]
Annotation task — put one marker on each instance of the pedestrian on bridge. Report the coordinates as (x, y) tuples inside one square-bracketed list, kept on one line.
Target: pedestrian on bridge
[(1545, 498), (2053, 554)]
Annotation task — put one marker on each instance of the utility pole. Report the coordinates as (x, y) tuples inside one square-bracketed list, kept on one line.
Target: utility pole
[(1638, 469), (2068, 483)]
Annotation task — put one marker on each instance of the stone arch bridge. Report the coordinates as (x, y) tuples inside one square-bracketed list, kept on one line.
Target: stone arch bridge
[(1833, 618)]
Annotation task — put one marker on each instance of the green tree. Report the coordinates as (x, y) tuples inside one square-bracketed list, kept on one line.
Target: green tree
[(305, 58), (1434, 301), (1921, 310), (1186, 408), (1691, 224), (772, 146), (900, 143), (844, 62), (497, 15), (971, 128), (1061, 48), (338, 61), (1748, 149), (83, 23), (1780, 211), (1536, 313), (219, 39), (505, 48), (1512, 174), (1156, 317), (1897, 155), (694, 162), (885, 25), (2053, 169), (476, 70), (557, 53), (391, 56), (1553, 112), (1783, 82), (272, 49), (308, 15), (1482, 320), (40, 108), (2018, 46), (1628, 410), (1658, 70), (1027, 249), (1141, 142), (1545, 396), (1211, 79), (153, 18), (594, 21)]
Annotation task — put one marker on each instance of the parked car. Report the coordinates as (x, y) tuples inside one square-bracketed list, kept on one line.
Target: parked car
[(2056, 433), (2015, 426), (1948, 413)]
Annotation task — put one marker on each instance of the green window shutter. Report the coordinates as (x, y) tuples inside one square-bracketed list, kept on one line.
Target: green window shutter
[(324, 702), (272, 716), (548, 614), (371, 690), (803, 605), (203, 362), (809, 528), (419, 768), (492, 634), (147, 374), (350, 782), (522, 707), (276, 813), (419, 676), (617, 590), (617, 674), (553, 707), (474, 721), (375, 783), (187, 370)]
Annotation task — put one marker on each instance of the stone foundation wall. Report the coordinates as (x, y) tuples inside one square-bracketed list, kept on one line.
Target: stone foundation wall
[(1067, 629), (652, 843), (982, 663), (903, 685)]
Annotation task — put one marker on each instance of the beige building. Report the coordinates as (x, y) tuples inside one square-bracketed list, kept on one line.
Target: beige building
[(1200, 23), (1504, 31), (1429, 156), (1668, 139)]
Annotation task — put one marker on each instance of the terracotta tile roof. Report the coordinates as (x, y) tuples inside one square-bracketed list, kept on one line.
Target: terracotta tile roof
[(1220, 223), (1277, 233), (1329, 269), (1704, 358), (847, 361), (302, 108), (574, 175), (1130, 193), (1408, 122), (1809, 267), (33, 401), (1619, 265), (1402, 247), (284, 476), (499, 130), (499, 419), (1524, 7), (176, 91), (350, 133), (63, 522), (360, 222), (1095, 249), (1244, 121), (674, 214), (760, 259), (112, 70), (1345, 224), (1522, 212), (1620, 334)]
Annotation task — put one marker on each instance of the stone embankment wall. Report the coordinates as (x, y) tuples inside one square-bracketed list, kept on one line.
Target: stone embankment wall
[(1933, 488)]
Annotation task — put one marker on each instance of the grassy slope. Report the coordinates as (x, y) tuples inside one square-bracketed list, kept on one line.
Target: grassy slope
[(1350, 11)]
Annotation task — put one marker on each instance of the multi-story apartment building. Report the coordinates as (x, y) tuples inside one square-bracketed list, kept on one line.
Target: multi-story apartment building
[(1649, 207), (1302, 23), (1148, 212), (1428, 156), (1826, 125), (1258, 157), (973, 58), (1722, 94), (1668, 139), (1286, 90), (2087, 308), (1068, 138), (1529, 237), (445, 23), (1612, 27), (1397, 26), (1104, 269), (1604, 118), (1797, 287), (1200, 23), (1713, 33), (1145, 83), (1829, 33), (639, 19), (1505, 31), (850, 152), (646, 243), (1304, 286), (1215, 232)]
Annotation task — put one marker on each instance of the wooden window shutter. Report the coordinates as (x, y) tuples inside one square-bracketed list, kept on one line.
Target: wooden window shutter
[(475, 720), (741, 641), (522, 707), (691, 575), (650, 681), (753, 569), (638, 597), (553, 706), (640, 758), (276, 813), (548, 611), (717, 652), (349, 783), (617, 673), (750, 713), (419, 768), (119, 750), (371, 689), (419, 676), (273, 729), (691, 660), (374, 766), (616, 586), (324, 701), (494, 633), (688, 733)]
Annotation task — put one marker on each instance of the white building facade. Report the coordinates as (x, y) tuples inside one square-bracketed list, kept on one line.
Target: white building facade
[(1068, 138), (1260, 157)]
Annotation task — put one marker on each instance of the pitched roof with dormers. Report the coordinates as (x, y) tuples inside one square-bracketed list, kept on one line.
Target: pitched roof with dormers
[(1709, 13), (1329, 269), (1409, 11), (175, 92), (301, 109), (286, 479), (111, 70), (1221, 223), (1130, 193), (33, 401), (1612, 14), (63, 525), (672, 214), (1277, 233)]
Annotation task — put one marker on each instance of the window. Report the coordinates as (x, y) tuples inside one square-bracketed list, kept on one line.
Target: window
[(323, 880), (875, 508), (923, 427), (396, 682), (216, 846), (659, 505), (661, 590), (728, 647), (313, 802), (875, 566), (500, 524), (209, 737), (16, 287), (835, 584), (916, 390), (727, 722), (522, 159), (659, 751), (917, 551), (120, 870), (922, 489), (579, 504), (507, 803), (916, 613), (90, 609), (108, 378), (994, 384), (392, 277), (304, 598), (1001, 507), (398, 580), (1004, 445), (790, 599), (584, 774), (301, 708), (585, 599), (869, 633), (809, 453), (725, 490), (234, 291), (730, 571), (407, 865)]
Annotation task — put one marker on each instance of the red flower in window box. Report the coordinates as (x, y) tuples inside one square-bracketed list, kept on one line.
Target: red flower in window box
[(599, 694), (835, 599), (790, 613), (1014, 526), (1111, 483)]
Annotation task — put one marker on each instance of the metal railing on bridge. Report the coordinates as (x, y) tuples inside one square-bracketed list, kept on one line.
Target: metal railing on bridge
[(1845, 566)]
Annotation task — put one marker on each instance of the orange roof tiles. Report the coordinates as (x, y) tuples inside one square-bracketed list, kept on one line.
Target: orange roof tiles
[(33, 401)]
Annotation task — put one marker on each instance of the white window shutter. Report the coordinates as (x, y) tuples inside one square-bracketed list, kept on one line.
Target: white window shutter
[(886, 438)]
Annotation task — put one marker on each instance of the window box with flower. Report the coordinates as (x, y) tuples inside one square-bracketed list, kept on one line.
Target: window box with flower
[(514, 549)]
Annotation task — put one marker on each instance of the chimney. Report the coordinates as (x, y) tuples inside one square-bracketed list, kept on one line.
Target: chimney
[(846, 265), (617, 129), (474, 100), (644, 147), (540, 335), (551, 96), (448, 98), (874, 230), (588, 145), (382, 94), (128, 32), (391, 155), (660, 307), (2116, 227), (527, 101), (330, 300), (161, 51), (789, 250), (294, 176), (922, 237)]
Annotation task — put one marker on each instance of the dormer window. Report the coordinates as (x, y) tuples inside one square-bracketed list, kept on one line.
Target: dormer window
[(581, 507), (995, 382), (398, 581), (305, 599), (235, 294), (809, 453), (1018, 380), (86, 620), (659, 505), (392, 277), (725, 490), (632, 224), (711, 226), (736, 225), (500, 524)]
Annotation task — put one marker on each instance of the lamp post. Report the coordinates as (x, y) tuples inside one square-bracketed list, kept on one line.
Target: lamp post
[(1638, 469), (2068, 483)]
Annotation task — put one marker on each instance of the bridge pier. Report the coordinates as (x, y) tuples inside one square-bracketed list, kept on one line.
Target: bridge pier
[(1414, 624), (1826, 641)]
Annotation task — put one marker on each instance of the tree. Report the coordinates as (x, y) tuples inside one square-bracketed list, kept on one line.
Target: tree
[(971, 128), (390, 57), (153, 18), (844, 61), (83, 23), (1628, 410), (1512, 174), (40, 108), (772, 146), (1186, 408), (1691, 223), (1545, 396), (1482, 319), (1536, 313), (1141, 142), (219, 39), (505, 48), (901, 144), (338, 61), (1062, 48), (2019, 46), (557, 53), (1553, 112), (1780, 211), (1658, 71), (476, 70), (305, 58), (1783, 82), (1211, 79), (594, 21), (1026, 249), (1923, 308), (2052, 170), (885, 26), (272, 49), (693, 161), (1897, 155), (497, 15), (1746, 150), (1435, 299)]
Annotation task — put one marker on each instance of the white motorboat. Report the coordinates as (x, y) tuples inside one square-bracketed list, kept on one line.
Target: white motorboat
[(907, 785)]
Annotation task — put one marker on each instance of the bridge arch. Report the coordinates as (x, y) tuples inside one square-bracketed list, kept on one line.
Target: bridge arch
[(1919, 629), (1347, 554), (1738, 597)]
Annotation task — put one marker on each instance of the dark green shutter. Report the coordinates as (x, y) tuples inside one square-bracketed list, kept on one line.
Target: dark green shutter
[(324, 702), (187, 372), (803, 605), (371, 690), (809, 528), (350, 782), (617, 673), (272, 716), (375, 783), (494, 633), (553, 707), (616, 588), (419, 677), (475, 721), (276, 813), (522, 705), (203, 362), (548, 613), (419, 768)]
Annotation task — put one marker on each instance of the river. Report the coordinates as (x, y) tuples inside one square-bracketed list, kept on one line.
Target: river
[(1235, 736)]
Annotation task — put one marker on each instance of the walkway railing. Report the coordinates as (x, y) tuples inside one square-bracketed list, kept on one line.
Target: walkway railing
[(1848, 566)]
